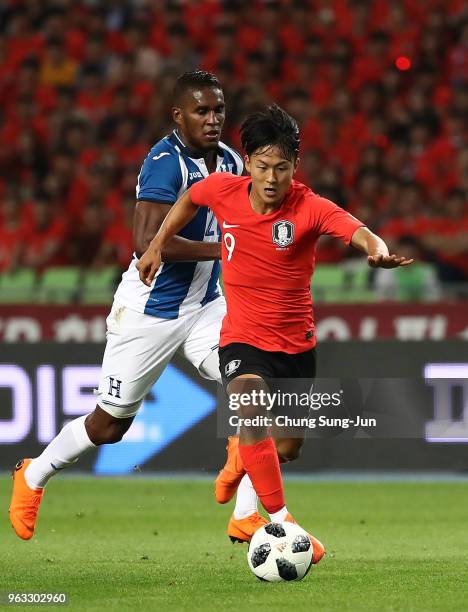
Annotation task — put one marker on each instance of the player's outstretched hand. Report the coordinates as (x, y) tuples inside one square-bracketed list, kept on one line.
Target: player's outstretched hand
[(388, 261), (148, 265)]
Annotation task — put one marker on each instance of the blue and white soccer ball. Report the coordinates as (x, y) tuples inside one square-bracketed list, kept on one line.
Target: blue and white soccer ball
[(280, 552)]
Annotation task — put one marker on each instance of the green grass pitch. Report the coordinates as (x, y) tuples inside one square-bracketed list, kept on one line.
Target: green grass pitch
[(144, 544)]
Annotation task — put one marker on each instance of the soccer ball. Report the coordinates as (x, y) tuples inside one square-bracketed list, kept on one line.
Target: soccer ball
[(280, 551)]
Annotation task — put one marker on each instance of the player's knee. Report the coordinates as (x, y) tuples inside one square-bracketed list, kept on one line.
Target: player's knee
[(289, 450), (209, 368), (109, 435), (103, 428), (115, 433)]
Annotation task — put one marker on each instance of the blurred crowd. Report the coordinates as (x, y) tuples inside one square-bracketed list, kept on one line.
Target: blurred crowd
[(379, 88)]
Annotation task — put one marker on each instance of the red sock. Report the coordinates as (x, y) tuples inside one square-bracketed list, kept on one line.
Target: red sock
[(261, 464)]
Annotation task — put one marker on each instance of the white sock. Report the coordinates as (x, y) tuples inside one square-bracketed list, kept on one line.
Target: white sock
[(246, 499), (278, 517), (64, 450)]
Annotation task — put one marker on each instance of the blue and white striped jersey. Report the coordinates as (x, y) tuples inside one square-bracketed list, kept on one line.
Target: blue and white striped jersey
[(168, 171)]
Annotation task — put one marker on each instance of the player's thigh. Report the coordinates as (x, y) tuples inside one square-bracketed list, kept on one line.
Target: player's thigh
[(200, 347), (248, 396), (292, 384), (138, 349), (246, 371)]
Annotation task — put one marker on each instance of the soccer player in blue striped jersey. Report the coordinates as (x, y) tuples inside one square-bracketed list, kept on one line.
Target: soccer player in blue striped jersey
[(181, 312)]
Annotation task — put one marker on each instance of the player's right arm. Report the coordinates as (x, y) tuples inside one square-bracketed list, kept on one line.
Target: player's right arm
[(159, 183), (183, 211), (146, 223)]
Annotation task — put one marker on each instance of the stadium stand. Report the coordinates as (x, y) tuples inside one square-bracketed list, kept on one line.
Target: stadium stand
[(98, 286), (17, 286), (380, 89), (59, 285)]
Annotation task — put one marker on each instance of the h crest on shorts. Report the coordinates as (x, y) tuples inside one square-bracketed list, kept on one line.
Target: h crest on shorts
[(282, 233), (114, 385)]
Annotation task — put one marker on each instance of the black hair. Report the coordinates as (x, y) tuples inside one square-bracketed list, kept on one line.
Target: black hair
[(194, 80), (271, 127)]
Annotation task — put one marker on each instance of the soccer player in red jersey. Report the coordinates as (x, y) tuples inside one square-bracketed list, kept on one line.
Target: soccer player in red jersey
[(270, 227)]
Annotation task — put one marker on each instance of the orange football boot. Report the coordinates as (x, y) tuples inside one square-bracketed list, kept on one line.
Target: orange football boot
[(319, 548), (230, 476), (24, 503), (242, 530)]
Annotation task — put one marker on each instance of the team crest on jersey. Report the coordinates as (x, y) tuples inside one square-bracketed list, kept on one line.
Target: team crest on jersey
[(283, 233), (232, 367)]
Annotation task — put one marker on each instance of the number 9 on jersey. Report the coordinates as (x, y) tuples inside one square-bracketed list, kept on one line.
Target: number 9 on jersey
[(230, 243)]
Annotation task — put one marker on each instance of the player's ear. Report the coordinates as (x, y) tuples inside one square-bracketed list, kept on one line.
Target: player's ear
[(177, 114), (296, 163), (247, 163)]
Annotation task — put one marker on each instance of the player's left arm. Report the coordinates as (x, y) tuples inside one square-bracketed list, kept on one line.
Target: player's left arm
[(183, 211), (376, 250), (328, 218)]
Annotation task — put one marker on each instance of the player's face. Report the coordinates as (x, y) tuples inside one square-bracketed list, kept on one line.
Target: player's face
[(200, 117), (271, 175)]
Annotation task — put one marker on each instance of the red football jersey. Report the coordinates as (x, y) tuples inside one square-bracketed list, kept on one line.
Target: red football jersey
[(268, 260)]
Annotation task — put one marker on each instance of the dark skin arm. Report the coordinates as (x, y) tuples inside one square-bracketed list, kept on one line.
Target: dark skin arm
[(183, 211), (146, 223)]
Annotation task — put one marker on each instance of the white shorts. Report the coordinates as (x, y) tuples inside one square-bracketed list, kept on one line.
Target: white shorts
[(139, 347)]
